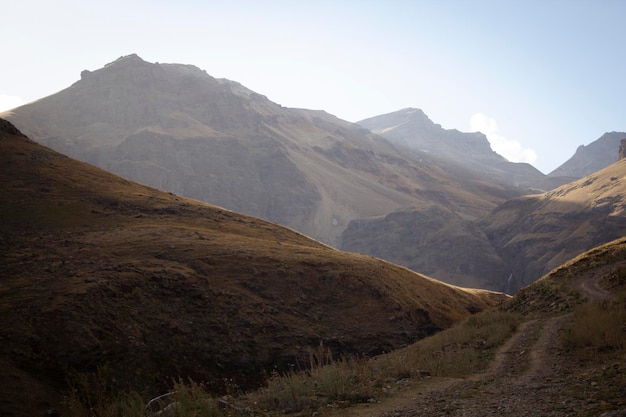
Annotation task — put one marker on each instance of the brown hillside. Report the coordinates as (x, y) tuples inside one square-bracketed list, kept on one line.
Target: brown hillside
[(537, 233), (102, 273)]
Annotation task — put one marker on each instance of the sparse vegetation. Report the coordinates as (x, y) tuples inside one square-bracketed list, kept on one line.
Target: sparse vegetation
[(90, 395), (460, 351), (120, 275), (598, 327)]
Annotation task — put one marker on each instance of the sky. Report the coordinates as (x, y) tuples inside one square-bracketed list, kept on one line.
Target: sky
[(538, 77)]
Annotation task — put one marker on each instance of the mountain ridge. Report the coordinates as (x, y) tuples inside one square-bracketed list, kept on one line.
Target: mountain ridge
[(174, 127), (537, 233), (470, 153)]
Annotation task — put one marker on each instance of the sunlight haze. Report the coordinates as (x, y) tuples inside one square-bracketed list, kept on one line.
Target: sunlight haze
[(539, 78)]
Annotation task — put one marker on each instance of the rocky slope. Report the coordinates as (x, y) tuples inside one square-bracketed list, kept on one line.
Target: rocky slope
[(507, 249), (433, 240), (536, 233), (103, 275), (591, 158), (176, 128), (468, 154)]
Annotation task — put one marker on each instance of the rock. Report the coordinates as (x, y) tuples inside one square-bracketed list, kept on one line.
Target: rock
[(615, 413), (7, 127), (622, 150)]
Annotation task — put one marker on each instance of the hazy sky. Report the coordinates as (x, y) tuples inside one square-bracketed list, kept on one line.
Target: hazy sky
[(539, 77)]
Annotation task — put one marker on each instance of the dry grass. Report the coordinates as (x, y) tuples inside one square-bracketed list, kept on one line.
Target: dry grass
[(90, 396), (460, 351), (598, 327), (594, 338), (99, 271)]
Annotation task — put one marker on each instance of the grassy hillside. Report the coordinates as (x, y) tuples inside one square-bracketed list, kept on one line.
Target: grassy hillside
[(100, 273), (557, 348)]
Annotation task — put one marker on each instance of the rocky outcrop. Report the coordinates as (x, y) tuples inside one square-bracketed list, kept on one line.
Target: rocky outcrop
[(622, 150)]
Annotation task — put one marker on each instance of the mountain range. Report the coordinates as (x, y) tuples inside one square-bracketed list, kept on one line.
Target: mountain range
[(139, 284), (396, 186), (176, 128), (501, 250)]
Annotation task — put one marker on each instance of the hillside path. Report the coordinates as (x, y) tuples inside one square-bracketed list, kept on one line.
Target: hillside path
[(528, 377)]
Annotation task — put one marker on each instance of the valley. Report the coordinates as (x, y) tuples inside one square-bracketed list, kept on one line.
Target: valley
[(100, 272), (167, 230), (396, 186)]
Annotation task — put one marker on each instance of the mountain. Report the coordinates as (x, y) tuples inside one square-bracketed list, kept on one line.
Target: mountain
[(103, 276), (176, 128), (433, 240), (588, 159), (536, 233), (467, 154), (512, 246)]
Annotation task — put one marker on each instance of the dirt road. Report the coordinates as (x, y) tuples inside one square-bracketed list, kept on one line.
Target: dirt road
[(530, 376)]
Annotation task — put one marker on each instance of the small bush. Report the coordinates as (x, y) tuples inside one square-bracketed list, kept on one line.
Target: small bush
[(290, 392)]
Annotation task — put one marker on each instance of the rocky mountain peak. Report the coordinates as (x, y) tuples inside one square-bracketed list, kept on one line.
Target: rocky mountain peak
[(406, 119), (126, 59)]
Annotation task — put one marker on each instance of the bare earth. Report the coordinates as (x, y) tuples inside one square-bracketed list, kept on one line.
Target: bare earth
[(530, 376)]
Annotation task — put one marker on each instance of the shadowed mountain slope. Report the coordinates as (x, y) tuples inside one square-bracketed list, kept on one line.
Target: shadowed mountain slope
[(511, 247), (178, 129), (588, 159), (432, 240), (98, 272)]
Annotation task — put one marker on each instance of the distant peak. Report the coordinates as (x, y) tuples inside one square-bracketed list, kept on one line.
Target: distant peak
[(126, 58), (410, 110), (123, 62)]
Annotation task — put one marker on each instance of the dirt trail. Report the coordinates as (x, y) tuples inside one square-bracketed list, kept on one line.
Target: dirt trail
[(528, 377), (590, 287)]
